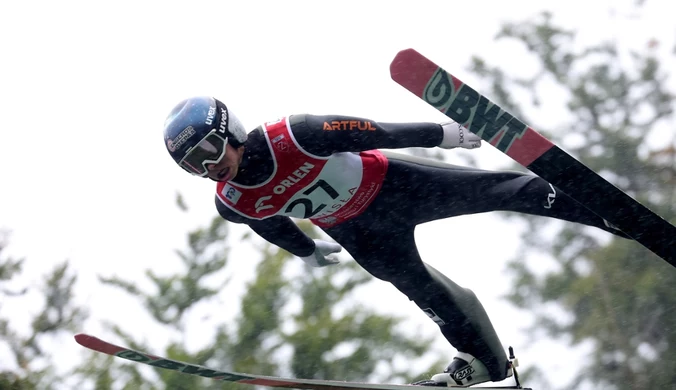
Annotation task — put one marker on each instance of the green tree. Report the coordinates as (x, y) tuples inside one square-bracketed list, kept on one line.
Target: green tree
[(286, 323), (33, 362), (617, 294)]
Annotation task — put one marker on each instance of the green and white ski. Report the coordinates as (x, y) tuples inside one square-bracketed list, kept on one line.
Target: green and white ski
[(99, 345)]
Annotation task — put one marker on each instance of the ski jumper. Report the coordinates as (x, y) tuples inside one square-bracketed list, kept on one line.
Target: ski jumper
[(327, 190), (385, 197)]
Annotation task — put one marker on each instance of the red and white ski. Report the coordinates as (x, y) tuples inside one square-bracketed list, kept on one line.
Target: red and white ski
[(99, 345), (466, 106)]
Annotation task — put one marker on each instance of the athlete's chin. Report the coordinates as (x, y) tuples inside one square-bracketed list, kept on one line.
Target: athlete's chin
[(223, 175), (231, 175)]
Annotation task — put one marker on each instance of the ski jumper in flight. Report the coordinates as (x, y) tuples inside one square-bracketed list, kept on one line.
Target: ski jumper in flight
[(329, 169)]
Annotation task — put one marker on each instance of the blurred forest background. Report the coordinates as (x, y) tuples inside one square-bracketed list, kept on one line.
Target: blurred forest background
[(608, 293)]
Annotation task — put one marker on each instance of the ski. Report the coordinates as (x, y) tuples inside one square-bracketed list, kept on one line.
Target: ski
[(466, 106), (99, 345)]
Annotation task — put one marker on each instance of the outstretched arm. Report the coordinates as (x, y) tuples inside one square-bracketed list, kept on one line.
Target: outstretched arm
[(284, 233), (327, 134), (277, 230)]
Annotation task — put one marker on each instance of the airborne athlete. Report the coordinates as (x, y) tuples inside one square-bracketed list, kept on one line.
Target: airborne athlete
[(328, 169)]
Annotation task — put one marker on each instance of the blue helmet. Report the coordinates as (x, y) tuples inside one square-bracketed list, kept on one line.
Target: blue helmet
[(197, 131)]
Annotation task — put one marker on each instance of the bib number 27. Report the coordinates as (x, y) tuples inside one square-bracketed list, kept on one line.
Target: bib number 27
[(310, 210)]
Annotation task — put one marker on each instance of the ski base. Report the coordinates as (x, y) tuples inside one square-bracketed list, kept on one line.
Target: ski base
[(98, 345), (464, 105)]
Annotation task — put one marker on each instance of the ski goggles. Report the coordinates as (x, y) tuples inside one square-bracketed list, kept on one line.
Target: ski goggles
[(210, 150)]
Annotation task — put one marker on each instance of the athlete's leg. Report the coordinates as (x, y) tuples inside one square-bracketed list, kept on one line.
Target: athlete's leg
[(418, 190), (435, 190), (389, 252)]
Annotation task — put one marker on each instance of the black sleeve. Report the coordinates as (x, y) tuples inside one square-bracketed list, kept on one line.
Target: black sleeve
[(277, 230), (324, 135)]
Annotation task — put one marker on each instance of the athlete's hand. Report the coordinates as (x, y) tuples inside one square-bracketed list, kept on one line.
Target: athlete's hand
[(323, 254), (456, 136)]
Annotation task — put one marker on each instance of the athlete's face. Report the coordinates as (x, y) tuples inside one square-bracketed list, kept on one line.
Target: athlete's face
[(227, 168)]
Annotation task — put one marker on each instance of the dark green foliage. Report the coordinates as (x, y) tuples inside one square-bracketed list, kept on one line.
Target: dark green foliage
[(291, 320), (57, 316), (614, 293)]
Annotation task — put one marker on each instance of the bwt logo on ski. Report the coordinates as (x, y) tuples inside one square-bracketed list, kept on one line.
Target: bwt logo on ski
[(178, 366), (478, 114)]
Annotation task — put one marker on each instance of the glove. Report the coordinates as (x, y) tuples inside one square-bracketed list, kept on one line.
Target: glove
[(456, 136), (322, 255)]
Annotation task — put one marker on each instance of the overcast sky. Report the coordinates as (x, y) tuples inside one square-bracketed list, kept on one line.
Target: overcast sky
[(85, 87)]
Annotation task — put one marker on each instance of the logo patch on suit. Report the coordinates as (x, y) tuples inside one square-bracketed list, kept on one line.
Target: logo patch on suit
[(231, 193), (434, 317)]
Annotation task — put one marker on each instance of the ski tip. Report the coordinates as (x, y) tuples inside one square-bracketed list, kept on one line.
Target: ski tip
[(401, 58), (405, 52), (83, 339), (412, 71)]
